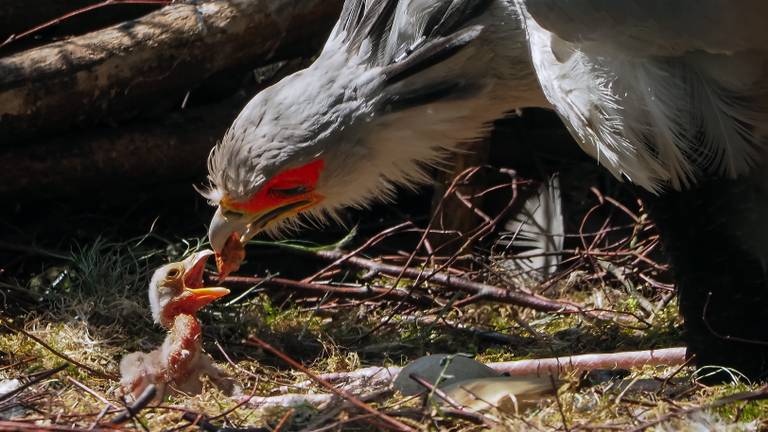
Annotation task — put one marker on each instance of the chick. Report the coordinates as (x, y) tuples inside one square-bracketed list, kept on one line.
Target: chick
[(176, 293)]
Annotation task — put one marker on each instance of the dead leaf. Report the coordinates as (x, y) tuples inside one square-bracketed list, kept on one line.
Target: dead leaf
[(451, 367), (509, 394)]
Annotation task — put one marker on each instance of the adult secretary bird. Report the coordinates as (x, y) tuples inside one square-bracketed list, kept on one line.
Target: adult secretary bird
[(668, 94)]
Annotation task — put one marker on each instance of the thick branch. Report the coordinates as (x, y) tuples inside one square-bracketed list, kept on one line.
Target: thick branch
[(116, 72), (377, 375)]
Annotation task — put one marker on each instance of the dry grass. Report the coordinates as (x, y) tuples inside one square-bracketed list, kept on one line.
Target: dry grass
[(90, 306)]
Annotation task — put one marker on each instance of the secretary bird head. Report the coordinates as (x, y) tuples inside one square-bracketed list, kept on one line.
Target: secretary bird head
[(397, 83)]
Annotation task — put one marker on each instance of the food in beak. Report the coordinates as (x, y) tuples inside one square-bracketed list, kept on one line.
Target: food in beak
[(231, 256)]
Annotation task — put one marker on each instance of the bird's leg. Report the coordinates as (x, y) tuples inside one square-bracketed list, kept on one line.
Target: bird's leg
[(218, 376)]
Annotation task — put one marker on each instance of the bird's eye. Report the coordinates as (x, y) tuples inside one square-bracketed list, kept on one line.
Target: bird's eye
[(280, 192), (174, 273)]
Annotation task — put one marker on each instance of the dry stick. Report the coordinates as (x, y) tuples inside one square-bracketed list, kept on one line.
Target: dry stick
[(141, 402), (481, 290), (18, 363), (92, 392), (394, 423), (283, 421), (40, 377), (584, 362), (372, 241), (93, 371), (77, 12), (367, 293), (757, 395), (9, 425), (456, 405)]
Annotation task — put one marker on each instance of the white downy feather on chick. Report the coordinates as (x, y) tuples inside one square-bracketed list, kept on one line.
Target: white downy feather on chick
[(176, 293)]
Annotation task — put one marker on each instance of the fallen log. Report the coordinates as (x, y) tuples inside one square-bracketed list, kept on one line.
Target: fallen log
[(141, 154), (113, 74), (171, 149), (18, 16)]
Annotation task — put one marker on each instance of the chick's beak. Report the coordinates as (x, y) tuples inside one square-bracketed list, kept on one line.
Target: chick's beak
[(195, 299), (195, 295)]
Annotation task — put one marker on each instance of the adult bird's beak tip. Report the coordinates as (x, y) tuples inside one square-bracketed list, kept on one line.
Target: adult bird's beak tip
[(222, 227)]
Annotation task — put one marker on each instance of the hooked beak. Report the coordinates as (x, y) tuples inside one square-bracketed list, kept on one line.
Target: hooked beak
[(195, 295), (246, 226)]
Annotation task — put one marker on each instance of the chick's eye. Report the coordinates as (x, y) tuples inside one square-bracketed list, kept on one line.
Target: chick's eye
[(287, 192), (174, 273)]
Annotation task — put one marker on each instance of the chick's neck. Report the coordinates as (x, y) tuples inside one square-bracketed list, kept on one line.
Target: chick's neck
[(182, 346)]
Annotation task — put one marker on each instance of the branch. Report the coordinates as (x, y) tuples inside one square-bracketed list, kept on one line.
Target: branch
[(317, 289), (480, 290), (757, 395), (391, 422), (72, 14), (376, 375), (112, 74)]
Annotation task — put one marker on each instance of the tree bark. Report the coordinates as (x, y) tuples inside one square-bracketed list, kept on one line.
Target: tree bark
[(17, 16), (116, 158), (113, 74)]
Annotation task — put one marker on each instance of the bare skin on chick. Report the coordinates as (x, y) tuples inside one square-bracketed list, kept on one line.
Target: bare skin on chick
[(176, 293)]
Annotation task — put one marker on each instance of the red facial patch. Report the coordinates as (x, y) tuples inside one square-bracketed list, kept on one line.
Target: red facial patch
[(268, 196)]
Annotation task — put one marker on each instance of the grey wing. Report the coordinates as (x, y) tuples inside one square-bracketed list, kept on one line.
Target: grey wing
[(393, 28), (657, 27)]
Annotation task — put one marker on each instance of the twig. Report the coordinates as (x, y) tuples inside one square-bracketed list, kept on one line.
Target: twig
[(391, 422), (457, 407), (65, 357), (18, 363), (621, 360), (757, 395), (77, 12), (481, 290), (8, 425), (91, 392), (366, 292), (38, 377), (144, 399), (283, 421), (203, 422)]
